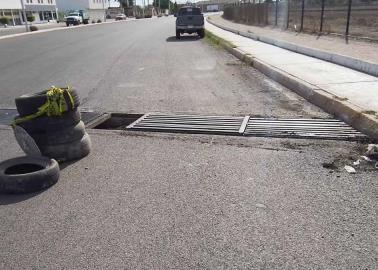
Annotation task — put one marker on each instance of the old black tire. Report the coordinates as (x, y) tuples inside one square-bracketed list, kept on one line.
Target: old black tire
[(68, 151), (65, 135), (29, 103), (201, 33), (67, 24), (178, 36), (27, 174), (45, 124)]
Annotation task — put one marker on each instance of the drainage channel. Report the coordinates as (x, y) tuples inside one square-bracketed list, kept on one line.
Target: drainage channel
[(330, 129)]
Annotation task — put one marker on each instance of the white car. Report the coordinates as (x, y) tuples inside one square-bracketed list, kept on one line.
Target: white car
[(74, 19), (120, 17)]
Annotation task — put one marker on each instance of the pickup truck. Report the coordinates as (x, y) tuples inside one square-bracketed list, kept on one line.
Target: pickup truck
[(189, 20), (77, 17)]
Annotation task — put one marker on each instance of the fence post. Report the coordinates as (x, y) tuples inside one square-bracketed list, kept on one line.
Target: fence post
[(302, 15), (276, 19), (348, 20), (288, 14), (322, 17)]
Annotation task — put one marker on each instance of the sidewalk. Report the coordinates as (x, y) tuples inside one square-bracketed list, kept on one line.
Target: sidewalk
[(11, 30), (350, 95), (357, 54)]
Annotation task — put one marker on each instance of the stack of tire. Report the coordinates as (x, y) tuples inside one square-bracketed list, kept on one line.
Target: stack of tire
[(62, 138)]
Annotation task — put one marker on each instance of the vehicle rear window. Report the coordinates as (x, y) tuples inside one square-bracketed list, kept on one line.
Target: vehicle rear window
[(189, 11)]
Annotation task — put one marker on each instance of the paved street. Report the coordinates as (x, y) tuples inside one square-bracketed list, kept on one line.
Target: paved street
[(164, 201), (139, 66)]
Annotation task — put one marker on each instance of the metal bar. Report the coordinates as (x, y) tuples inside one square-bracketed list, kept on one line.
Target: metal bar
[(302, 15), (288, 14), (137, 121), (244, 124), (348, 21), (276, 19), (322, 17)]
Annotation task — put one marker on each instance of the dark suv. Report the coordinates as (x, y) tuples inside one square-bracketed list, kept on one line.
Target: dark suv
[(190, 20)]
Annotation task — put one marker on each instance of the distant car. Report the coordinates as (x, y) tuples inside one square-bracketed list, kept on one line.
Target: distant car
[(73, 18), (190, 20), (120, 17)]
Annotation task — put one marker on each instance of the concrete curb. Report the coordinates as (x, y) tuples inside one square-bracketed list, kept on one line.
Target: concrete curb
[(344, 110), (60, 29), (339, 59)]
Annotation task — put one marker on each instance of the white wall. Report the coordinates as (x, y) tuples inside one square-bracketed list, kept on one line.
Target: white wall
[(35, 3), (10, 4), (64, 5), (98, 4)]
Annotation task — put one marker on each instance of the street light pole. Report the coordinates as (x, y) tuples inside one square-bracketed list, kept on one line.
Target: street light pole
[(103, 6), (24, 13)]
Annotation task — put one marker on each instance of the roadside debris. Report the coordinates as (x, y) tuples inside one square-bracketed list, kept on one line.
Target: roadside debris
[(349, 169), (48, 128)]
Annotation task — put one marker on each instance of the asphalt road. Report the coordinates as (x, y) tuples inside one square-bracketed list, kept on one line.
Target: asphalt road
[(159, 201), (140, 67)]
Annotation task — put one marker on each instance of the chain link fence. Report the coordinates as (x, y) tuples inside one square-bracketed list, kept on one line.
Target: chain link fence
[(341, 17)]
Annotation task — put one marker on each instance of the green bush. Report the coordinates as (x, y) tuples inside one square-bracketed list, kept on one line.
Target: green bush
[(99, 21), (30, 18), (4, 20), (93, 21)]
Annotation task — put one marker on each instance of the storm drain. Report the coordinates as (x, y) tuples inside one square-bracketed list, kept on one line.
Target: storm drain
[(223, 125), (330, 129)]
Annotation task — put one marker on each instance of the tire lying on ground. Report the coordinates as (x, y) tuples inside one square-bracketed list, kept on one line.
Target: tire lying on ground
[(27, 174), (65, 135), (68, 151), (29, 103), (45, 124)]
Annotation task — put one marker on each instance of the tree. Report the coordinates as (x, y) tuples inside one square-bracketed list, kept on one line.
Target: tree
[(126, 3), (164, 4), (30, 18), (4, 21)]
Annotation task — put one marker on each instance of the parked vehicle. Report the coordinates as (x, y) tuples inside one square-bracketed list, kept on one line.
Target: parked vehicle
[(77, 17), (190, 20), (120, 17)]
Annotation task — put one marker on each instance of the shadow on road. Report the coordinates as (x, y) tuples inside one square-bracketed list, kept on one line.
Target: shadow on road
[(183, 38), (6, 199)]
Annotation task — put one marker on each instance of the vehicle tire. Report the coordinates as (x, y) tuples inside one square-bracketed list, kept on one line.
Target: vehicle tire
[(65, 135), (67, 24), (68, 151), (85, 21), (178, 35), (201, 33), (27, 174), (45, 124), (29, 103)]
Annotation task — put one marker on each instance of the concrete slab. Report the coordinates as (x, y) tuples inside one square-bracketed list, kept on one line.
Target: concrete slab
[(325, 73), (366, 90)]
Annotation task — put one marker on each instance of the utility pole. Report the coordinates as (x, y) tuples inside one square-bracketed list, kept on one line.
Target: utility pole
[(103, 6), (144, 5), (24, 13)]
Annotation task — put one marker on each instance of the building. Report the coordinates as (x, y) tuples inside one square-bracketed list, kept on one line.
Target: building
[(12, 10), (42, 10), (95, 8)]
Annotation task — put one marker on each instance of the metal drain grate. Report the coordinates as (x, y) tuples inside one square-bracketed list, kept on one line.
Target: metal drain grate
[(225, 125), (330, 129), (303, 128)]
